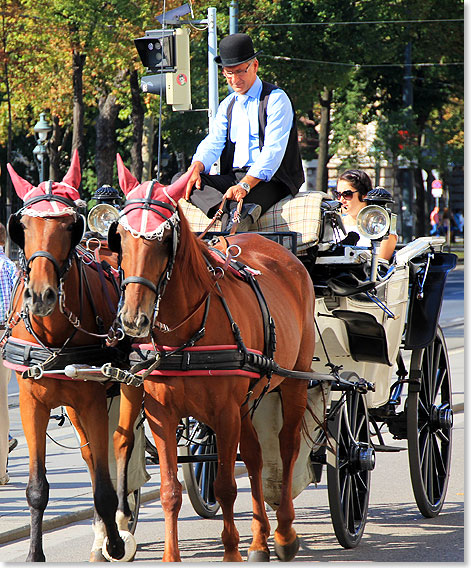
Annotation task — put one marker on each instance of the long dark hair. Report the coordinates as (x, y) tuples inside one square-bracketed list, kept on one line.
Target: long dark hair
[(359, 179)]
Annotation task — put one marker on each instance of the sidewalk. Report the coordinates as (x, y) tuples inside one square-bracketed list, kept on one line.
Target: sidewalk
[(70, 493), (70, 490)]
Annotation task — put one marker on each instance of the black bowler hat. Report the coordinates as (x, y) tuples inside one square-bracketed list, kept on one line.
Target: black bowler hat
[(235, 49)]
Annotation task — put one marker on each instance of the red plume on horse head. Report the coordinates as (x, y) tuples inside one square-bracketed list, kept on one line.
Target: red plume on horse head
[(65, 188)]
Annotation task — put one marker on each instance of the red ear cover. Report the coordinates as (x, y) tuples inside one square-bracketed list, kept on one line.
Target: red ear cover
[(127, 181), (74, 175), (21, 185), (177, 189)]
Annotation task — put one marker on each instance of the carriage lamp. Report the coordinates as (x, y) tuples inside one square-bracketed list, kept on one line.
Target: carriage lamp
[(106, 211), (100, 218), (41, 129), (373, 222)]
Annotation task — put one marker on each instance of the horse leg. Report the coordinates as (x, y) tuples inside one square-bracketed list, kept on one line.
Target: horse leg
[(163, 431), (99, 529), (123, 439), (294, 397), (251, 453), (94, 421), (35, 417), (227, 430)]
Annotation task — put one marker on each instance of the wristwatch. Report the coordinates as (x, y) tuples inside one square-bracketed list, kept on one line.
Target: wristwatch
[(244, 185)]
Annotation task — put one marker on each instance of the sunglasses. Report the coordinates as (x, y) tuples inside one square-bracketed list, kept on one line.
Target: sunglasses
[(344, 195)]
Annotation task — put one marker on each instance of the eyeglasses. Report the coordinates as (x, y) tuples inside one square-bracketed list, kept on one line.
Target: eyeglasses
[(238, 73), (344, 195)]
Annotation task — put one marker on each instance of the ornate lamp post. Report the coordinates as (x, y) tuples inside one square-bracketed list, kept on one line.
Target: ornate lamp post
[(41, 129)]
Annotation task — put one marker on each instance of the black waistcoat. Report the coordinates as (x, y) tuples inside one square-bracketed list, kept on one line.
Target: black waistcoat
[(290, 172)]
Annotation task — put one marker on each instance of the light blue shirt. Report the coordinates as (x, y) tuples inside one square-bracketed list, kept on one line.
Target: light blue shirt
[(8, 275), (262, 164)]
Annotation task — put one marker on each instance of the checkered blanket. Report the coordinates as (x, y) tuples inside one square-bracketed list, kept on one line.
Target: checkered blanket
[(301, 214)]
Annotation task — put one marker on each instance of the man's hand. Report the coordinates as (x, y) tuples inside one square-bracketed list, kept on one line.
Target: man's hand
[(236, 193), (195, 178)]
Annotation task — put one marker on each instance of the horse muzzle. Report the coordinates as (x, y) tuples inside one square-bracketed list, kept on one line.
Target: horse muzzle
[(41, 303), (137, 325)]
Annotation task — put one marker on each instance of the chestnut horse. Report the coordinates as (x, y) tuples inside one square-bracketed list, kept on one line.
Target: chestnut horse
[(171, 275), (56, 288)]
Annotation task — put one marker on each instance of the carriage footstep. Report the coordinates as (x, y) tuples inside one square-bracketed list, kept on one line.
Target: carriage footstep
[(130, 547), (258, 556), (288, 552)]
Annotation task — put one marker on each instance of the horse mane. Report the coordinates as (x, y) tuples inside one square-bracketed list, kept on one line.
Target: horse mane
[(191, 257)]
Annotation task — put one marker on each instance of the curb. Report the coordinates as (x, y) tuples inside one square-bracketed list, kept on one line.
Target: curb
[(82, 515)]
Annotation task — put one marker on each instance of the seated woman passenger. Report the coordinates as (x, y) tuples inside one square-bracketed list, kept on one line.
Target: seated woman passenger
[(352, 187)]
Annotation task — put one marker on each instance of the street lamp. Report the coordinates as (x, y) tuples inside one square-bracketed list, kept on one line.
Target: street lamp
[(41, 130)]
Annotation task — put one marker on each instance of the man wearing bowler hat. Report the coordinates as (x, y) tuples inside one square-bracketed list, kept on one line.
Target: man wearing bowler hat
[(255, 135)]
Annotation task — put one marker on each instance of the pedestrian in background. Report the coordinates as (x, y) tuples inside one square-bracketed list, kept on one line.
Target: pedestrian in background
[(435, 222), (8, 275)]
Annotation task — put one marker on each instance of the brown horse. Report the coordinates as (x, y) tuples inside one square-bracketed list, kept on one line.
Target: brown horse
[(55, 289), (171, 275)]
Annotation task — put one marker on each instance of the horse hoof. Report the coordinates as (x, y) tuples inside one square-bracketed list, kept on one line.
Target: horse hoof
[(258, 556), (130, 547), (288, 552), (97, 556)]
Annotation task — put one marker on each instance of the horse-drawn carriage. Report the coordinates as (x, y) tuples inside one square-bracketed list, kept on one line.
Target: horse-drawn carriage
[(368, 313)]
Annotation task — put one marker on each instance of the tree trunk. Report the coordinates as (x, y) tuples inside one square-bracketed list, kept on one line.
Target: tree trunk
[(147, 146), (108, 109), (78, 62), (325, 99), (137, 118)]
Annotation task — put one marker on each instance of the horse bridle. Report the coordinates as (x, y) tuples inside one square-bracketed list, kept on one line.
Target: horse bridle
[(25, 263), (149, 204)]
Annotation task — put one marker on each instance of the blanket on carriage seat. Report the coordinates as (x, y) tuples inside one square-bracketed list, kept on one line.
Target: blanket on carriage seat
[(300, 214)]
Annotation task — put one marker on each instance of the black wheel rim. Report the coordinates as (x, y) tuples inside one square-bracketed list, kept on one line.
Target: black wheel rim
[(204, 443), (353, 481), (350, 460), (435, 421)]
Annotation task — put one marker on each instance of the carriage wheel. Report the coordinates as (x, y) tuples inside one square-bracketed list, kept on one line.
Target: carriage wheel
[(350, 459), (199, 477), (134, 500), (429, 427)]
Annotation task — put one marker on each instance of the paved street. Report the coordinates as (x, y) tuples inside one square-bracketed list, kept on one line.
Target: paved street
[(396, 532)]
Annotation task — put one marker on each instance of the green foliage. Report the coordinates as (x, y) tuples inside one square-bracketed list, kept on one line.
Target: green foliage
[(361, 63)]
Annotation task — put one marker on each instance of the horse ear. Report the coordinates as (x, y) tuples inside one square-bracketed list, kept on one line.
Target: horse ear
[(21, 185), (127, 181), (74, 175), (177, 189)]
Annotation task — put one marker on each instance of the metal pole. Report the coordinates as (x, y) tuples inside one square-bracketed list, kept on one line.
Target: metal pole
[(43, 162), (234, 17), (213, 96), (213, 99)]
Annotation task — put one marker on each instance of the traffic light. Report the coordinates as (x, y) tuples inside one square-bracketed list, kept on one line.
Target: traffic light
[(166, 54), (157, 50)]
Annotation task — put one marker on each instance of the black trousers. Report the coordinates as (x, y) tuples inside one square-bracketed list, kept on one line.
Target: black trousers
[(213, 187)]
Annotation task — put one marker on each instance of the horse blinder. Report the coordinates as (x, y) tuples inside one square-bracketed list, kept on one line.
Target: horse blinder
[(78, 230), (114, 239), (16, 230)]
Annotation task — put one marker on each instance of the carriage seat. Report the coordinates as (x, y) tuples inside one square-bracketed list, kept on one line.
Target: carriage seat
[(300, 214)]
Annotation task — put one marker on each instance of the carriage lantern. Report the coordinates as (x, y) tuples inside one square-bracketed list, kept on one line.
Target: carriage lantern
[(106, 211)]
